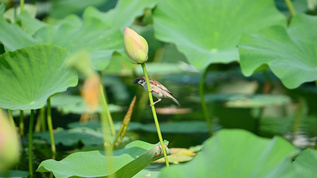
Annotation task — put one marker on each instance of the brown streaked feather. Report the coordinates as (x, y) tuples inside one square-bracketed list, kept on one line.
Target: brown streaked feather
[(156, 83)]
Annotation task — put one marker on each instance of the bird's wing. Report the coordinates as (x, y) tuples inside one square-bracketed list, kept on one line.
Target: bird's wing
[(157, 84)]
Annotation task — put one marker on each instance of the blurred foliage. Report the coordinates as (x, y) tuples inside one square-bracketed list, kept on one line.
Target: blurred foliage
[(257, 51)]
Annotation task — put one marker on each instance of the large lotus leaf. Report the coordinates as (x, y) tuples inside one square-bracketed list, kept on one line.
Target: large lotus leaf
[(290, 53), (89, 34), (123, 14), (30, 75), (11, 35), (148, 173), (11, 13), (305, 163), (126, 162), (29, 24), (238, 153), (208, 31), (93, 35), (62, 8)]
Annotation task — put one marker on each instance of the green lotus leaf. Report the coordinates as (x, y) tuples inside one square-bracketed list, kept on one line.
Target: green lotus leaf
[(29, 24), (89, 34), (11, 13), (12, 36), (305, 163), (290, 53), (62, 8), (93, 36), (29, 76), (149, 173), (238, 153), (208, 31), (123, 14), (126, 162)]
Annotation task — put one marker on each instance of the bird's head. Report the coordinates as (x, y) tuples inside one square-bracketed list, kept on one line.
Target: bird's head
[(139, 80)]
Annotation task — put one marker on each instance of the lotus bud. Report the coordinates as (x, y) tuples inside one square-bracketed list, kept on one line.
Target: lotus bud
[(9, 143), (135, 46)]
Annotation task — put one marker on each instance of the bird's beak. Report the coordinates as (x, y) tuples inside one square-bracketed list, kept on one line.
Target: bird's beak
[(135, 81)]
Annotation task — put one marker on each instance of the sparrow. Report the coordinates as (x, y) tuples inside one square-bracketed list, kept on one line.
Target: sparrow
[(158, 90)]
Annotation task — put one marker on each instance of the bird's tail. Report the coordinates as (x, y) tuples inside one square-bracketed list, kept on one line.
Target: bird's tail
[(175, 100)]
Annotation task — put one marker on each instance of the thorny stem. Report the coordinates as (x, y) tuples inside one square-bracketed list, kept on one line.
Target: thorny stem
[(154, 114), (203, 102)]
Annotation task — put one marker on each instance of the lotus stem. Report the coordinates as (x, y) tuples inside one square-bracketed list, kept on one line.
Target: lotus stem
[(21, 123), (203, 102), (42, 117), (41, 121), (154, 114), (298, 116), (22, 5), (106, 131), (290, 7), (11, 117), (31, 143), (105, 102), (50, 127)]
